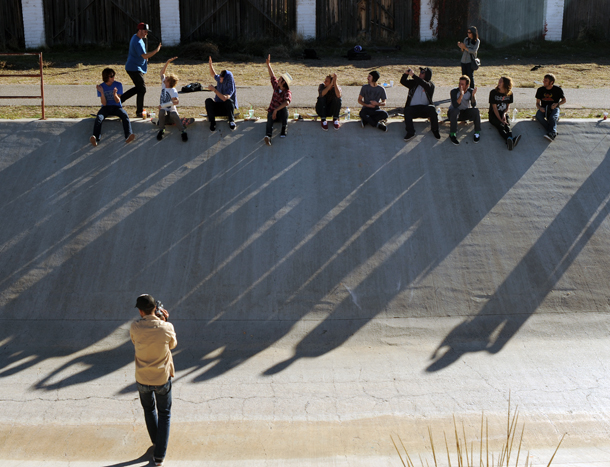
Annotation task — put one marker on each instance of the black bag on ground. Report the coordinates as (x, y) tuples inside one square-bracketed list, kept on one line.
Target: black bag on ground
[(358, 53), (192, 87), (310, 54)]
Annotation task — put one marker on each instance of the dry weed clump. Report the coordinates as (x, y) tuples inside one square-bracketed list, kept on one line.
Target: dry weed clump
[(200, 51), (466, 458)]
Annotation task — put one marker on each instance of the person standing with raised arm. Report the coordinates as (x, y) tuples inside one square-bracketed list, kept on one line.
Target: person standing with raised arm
[(278, 108), (329, 101), (137, 65), (225, 99)]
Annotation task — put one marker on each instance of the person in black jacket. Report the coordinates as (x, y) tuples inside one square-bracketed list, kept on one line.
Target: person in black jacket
[(419, 102)]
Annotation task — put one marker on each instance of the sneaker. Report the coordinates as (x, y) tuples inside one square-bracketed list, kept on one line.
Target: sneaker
[(336, 124), (185, 137), (382, 126), (232, 125), (477, 137), (325, 125), (130, 138), (409, 137), (550, 137), (158, 462), (283, 133), (212, 127), (454, 139), (509, 143), (362, 123), (516, 141), (268, 140), (93, 140), (160, 134), (436, 134)]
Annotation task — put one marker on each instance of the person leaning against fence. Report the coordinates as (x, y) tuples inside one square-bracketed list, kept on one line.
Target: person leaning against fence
[(278, 108), (109, 93), (169, 101), (329, 101), (225, 100)]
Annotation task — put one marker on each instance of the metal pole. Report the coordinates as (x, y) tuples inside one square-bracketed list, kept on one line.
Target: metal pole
[(41, 85)]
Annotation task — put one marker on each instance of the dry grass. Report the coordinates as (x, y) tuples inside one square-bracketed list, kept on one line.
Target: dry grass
[(466, 458), (191, 66)]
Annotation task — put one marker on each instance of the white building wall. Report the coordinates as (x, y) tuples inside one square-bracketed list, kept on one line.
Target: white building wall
[(553, 19), (170, 21), (33, 24), (427, 32), (306, 18)]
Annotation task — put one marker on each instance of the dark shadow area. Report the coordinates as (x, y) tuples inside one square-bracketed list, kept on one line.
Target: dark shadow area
[(144, 459), (240, 241), (536, 275)]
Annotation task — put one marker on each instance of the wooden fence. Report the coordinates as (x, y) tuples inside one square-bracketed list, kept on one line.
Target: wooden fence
[(365, 19), (586, 19), (11, 25), (237, 19), (77, 22), (502, 22)]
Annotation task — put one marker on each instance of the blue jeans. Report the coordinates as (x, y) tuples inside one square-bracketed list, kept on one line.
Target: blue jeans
[(549, 119), (158, 427), (104, 112)]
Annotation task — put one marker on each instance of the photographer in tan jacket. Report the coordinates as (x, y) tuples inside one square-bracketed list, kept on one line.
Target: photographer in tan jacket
[(153, 338)]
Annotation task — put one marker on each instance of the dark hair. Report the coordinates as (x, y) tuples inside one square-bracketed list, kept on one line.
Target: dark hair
[(475, 33), (107, 73), (223, 73), (550, 77), (465, 78), (507, 83)]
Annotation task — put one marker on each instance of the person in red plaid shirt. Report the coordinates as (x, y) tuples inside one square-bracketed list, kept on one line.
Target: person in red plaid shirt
[(278, 109)]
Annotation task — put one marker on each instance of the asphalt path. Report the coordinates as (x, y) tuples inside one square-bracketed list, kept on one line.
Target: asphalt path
[(328, 292), (302, 96)]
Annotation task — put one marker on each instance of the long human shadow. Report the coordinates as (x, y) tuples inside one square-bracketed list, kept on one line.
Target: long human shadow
[(247, 243), (69, 205), (405, 217), (534, 277)]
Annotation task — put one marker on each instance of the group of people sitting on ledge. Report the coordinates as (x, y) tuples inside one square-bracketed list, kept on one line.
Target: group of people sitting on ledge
[(372, 98)]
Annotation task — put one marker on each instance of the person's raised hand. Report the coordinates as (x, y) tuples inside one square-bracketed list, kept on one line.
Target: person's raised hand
[(268, 61), (210, 60), (172, 59)]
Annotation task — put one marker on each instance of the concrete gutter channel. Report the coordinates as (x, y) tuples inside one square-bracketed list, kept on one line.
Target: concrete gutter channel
[(328, 291)]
